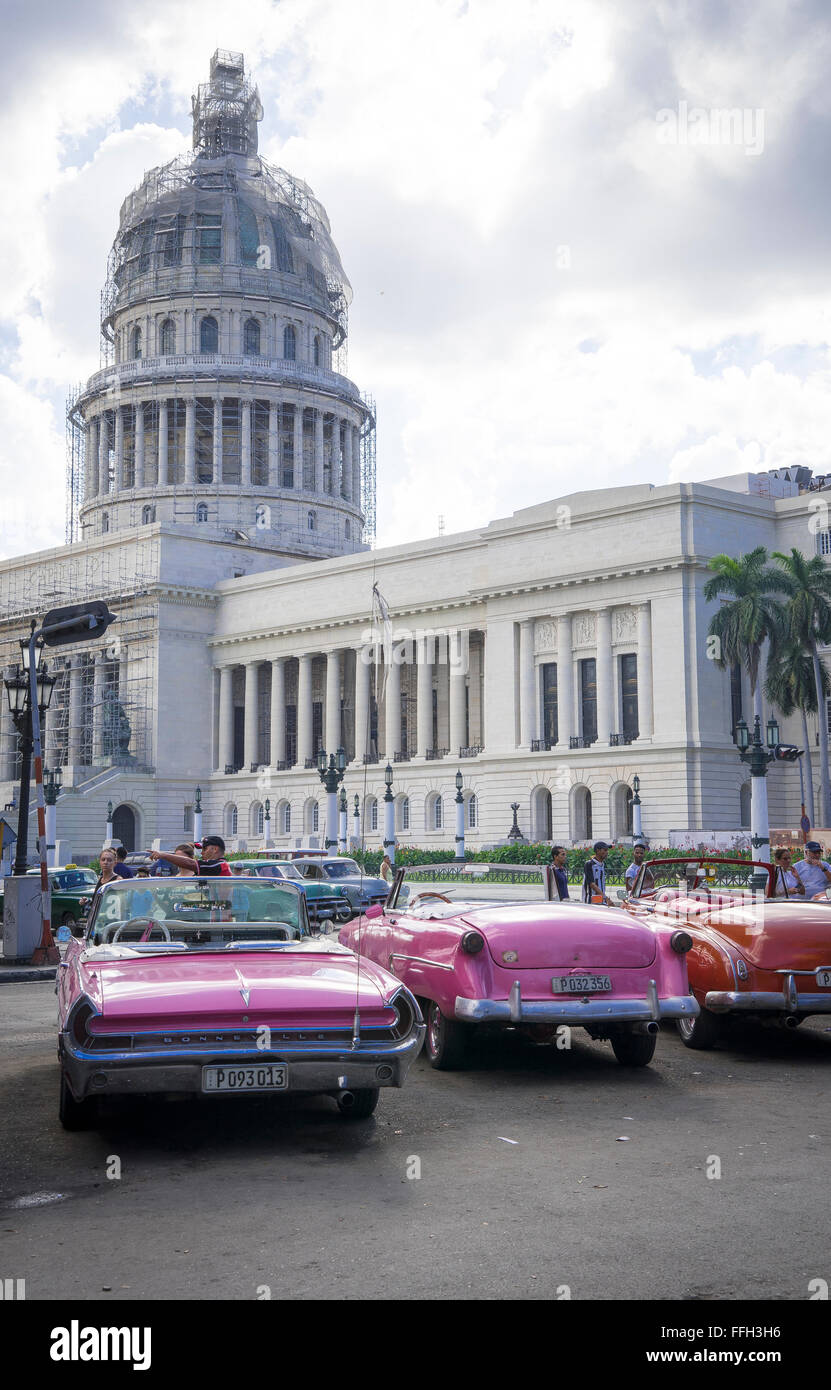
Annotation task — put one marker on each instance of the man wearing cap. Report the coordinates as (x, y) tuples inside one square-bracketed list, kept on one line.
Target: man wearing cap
[(213, 857), (812, 871), (594, 875)]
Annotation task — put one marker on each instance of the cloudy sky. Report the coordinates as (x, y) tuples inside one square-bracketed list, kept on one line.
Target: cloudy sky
[(569, 271)]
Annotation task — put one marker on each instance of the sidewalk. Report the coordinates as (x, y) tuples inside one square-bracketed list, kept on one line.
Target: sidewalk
[(23, 973)]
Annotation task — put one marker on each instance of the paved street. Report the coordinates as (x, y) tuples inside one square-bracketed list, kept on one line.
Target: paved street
[(217, 1199)]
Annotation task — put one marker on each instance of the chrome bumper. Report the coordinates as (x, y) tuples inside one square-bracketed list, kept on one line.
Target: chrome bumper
[(328, 1071), (599, 1010), (789, 1001)]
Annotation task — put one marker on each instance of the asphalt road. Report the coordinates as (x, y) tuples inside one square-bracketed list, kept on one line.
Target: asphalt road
[(220, 1199)]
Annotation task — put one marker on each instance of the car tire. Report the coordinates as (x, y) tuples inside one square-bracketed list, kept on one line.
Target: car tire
[(75, 1114), (634, 1049), (445, 1040), (701, 1033), (362, 1106), (343, 914)]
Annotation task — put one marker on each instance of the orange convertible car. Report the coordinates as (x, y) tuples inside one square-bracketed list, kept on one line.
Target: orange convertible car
[(764, 957)]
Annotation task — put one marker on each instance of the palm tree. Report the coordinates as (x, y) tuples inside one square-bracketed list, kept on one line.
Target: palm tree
[(791, 686), (747, 620), (806, 584)]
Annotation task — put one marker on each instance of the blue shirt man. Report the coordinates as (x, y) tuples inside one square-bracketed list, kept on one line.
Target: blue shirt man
[(812, 871), (558, 863)]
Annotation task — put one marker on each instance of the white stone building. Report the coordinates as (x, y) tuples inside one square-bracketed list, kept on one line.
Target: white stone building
[(549, 656)]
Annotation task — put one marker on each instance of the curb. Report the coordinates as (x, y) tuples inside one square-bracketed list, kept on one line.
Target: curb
[(26, 975)]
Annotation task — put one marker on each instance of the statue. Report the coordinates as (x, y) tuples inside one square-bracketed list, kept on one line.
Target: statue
[(115, 727)]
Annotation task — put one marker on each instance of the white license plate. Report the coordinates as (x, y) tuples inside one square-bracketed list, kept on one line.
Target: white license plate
[(824, 979), (261, 1078), (580, 984)]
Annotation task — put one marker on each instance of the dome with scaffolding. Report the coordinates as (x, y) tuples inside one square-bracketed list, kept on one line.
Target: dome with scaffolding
[(223, 399)]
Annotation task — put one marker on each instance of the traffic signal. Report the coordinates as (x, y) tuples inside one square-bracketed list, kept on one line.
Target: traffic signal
[(76, 622), (787, 752)]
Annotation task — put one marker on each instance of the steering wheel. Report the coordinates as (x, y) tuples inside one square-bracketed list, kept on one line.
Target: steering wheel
[(151, 925), (419, 896)]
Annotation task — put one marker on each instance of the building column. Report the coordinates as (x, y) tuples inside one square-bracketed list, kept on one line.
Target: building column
[(363, 673), (91, 460), (356, 466), (332, 725), (527, 692), (76, 723), (278, 711), (98, 687), (217, 441), (190, 443), (297, 445), (118, 461), (318, 450), (424, 694), (138, 446), (226, 717), (645, 705), (103, 454), (605, 697), (304, 709), (245, 444), (565, 682), (457, 656), (252, 709), (273, 444), (347, 461), (161, 473), (393, 705)]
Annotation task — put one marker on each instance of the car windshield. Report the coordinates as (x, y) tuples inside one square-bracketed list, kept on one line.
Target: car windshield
[(278, 871), (197, 914), (660, 879), (73, 878), (428, 888), (342, 868)]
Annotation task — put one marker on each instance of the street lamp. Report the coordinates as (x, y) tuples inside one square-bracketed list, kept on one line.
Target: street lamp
[(460, 818), (331, 768), (637, 823), (342, 822), (515, 833), (756, 756), (197, 815), (267, 822), (356, 822), (19, 695), (109, 832), (51, 792), (389, 815)]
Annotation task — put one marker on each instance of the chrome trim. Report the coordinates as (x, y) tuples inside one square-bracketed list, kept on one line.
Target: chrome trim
[(574, 1011), (652, 996), (515, 1002), (421, 960), (201, 1054), (721, 1001)]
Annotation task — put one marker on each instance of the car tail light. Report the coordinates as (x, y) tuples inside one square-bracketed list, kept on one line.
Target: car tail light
[(82, 1012), (405, 1015), (472, 942), (681, 941)]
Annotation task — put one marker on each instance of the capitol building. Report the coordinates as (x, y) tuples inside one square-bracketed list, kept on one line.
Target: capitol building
[(222, 500)]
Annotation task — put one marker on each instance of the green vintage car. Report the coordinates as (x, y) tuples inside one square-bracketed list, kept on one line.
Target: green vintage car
[(68, 885), (326, 903)]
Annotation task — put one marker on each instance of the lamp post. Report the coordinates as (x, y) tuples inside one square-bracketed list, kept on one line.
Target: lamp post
[(389, 815), (342, 822), (756, 756), (515, 833), (19, 695), (637, 822), (109, 831), (267, 822), (330, 769), (460, 818), (356, 822), (197, 815), (51, 792)]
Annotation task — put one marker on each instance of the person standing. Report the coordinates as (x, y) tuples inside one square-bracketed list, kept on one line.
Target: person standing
[(386, 870), (594, 875), (108, 874), (631, 876), (805, 824), (558, 864), (183, 858), (123, 869), (812, 871)]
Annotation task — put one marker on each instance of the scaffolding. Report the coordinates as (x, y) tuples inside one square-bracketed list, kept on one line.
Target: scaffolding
[(75, 458), (368, 497)]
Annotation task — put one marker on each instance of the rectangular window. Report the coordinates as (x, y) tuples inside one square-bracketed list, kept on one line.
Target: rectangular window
[(435, 718), (239, 736), (259, 444), (824, 542), (204, 441), (629, 695), (286, 446), (187, 824), (176, 440), (735, 698), (549, 702), (171, 235), (317, 726), (231, 439), (209, 238), (588, 699), (291, 736)]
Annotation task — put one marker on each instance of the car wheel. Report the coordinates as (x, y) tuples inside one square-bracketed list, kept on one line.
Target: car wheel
[(75, 1114), (702, 1032), (446, 1039), (634, 1049), (344, 914), (362, 1104)]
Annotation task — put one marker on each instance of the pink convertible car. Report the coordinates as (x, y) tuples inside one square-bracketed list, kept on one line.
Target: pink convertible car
[(484, 944), (216, 987)]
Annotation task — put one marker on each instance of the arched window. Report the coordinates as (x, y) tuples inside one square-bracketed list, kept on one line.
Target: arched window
[(167, 338), (209, 335), (231, 819), (251, 338), (315, 817), (403, 813), (371, 813), (438, 813), (347, 529), (287, 819), (289, 342), (105, 521), (148, 514), (135, 342), (258, 818), (202, 511), (472, 812), (311, 521), (316, 352)]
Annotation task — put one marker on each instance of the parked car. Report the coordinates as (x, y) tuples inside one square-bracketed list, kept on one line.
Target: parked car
[(216, 987), (327, 902), (363, 890), (753, 955), (485, 945), (67, 885)]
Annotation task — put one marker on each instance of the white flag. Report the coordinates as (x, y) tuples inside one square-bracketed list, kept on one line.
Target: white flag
[(381, 614)]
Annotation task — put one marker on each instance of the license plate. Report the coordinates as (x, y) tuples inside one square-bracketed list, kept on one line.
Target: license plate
[(263, 1078), (580, 984), (824, 979)]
